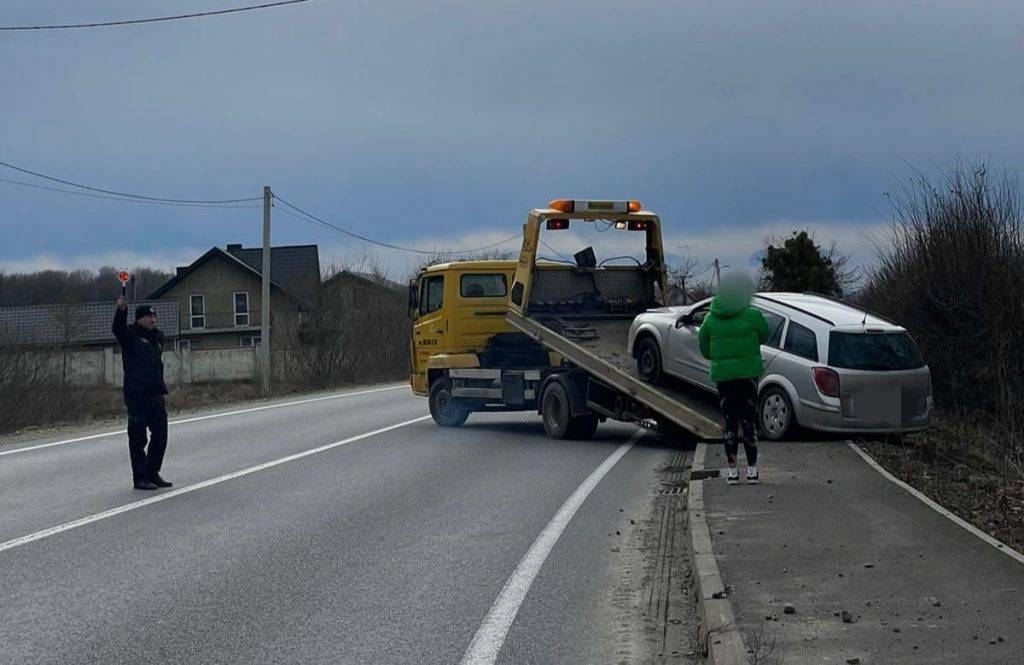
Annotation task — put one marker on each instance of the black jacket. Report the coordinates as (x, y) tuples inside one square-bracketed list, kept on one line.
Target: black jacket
[(140, 356)]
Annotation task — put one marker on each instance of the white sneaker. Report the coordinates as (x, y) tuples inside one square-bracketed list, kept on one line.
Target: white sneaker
[(752, 478), (732, 476)]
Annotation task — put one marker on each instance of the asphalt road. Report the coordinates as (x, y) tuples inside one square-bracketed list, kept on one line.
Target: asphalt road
[(390, 548)]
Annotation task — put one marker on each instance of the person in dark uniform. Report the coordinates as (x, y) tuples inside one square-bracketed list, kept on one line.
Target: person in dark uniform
[(144, 389)]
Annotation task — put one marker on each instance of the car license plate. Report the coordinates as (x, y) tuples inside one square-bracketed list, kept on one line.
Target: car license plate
[(878, 407)]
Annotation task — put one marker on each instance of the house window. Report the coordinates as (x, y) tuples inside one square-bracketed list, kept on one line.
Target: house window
[(197, 311), (241, 309), (249, 340)]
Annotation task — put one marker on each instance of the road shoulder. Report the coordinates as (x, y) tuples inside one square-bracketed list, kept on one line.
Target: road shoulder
[(828, 558)]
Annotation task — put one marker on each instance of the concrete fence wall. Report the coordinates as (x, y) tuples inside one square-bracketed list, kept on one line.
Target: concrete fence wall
[(183, 367)]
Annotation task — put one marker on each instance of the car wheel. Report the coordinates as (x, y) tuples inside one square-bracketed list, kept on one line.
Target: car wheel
[(775, 414), (648, 360), (447, 411)]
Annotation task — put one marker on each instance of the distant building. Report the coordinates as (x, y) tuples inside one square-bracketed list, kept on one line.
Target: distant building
[(219, 295), (75, 325)]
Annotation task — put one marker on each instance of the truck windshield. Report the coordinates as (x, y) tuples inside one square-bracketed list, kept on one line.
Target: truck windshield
[(873, 351)]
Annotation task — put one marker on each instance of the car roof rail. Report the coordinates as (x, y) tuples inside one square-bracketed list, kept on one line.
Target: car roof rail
[(798, 309), (843, 302)]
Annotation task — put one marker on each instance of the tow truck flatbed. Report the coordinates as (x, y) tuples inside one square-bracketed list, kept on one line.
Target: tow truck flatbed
[(598, 347)]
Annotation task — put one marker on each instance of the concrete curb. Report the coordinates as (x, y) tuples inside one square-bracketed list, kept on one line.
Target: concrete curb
[(721, 640)]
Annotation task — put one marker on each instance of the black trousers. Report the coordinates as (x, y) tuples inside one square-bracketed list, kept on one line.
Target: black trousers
[(146, 412), (738, 400)]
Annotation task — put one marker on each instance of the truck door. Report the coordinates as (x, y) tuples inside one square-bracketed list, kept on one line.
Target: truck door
[(431, 327)]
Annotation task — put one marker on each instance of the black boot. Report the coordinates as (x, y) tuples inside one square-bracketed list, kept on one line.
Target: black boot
[(158, 481), (143, 484)]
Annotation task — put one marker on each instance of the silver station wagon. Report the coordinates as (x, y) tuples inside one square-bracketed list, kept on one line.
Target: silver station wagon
[(828, 366)]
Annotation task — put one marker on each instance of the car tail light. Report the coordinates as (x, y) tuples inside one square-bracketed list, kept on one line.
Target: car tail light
[(827, 381)]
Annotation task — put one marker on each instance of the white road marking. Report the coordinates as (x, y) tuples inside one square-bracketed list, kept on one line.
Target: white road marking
[(490, 637), (121, 432), (156, 498), (967, 526)]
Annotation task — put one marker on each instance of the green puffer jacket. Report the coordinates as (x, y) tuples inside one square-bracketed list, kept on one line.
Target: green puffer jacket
[(731, 338)]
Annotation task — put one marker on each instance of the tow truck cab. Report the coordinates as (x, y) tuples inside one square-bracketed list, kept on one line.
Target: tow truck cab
[(460, 333)]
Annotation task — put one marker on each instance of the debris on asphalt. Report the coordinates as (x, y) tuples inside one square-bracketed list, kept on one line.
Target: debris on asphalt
[(853, 661), (789, 609), (847, 617), (869, 565)]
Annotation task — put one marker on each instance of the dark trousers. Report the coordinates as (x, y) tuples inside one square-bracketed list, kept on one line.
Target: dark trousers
[(738, 399), (146, 412)]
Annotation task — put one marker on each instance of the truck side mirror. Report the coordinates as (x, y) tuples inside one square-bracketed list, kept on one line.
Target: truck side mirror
[(414, 299)]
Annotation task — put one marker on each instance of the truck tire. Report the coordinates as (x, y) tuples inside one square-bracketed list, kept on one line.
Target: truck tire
[(556, 413), (447, 411), (648, 360)]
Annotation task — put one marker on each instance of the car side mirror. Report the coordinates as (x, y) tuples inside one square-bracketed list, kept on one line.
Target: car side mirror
[(684, 320), (414, 300)]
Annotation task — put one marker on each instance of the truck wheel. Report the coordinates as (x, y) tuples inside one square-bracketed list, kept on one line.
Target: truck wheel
[(648, 360), (447, 411), (555, 410), (775, 414), (559, 422)]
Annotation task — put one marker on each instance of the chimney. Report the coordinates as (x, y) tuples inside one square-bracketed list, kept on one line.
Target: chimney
[(234, 248)]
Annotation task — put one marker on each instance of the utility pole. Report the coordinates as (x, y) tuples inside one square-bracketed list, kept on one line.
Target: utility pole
[(264, 354), (718, 273)]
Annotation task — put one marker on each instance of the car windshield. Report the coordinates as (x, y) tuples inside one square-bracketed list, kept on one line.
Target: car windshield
[(873, 351)]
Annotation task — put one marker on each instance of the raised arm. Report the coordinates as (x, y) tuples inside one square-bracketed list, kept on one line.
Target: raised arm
[(120, 326)]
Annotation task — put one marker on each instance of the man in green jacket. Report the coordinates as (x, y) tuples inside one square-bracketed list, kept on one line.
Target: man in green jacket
[(731, 338)]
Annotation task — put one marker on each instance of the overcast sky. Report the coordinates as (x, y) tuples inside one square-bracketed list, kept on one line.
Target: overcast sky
[(439, 124)]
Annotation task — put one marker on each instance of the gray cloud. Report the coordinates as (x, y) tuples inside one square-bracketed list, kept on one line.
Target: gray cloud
[(434, 120)]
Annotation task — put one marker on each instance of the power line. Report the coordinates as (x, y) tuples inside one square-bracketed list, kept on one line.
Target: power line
[(563, 256), (124, 194), (152, 20), (116, 198), (305, 216)]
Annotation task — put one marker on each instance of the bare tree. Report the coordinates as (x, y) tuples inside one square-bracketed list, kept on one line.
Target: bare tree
[(951, 270), (688, 280)]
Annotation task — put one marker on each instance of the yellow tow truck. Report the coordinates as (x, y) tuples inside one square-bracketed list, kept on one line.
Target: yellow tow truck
[(547, 335)]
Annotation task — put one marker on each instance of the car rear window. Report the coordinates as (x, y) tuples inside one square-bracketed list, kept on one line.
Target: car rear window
[(873, 351)]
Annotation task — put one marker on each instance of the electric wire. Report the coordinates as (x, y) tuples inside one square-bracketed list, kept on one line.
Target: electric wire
[(309, 217), (124, 194), (564, 257), (117, 198), (136, 21)]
